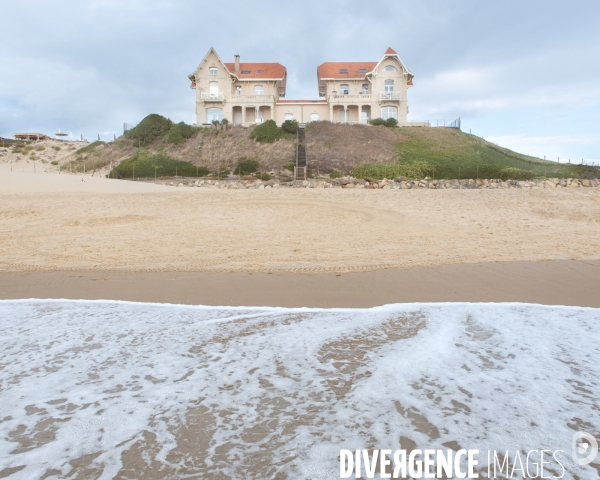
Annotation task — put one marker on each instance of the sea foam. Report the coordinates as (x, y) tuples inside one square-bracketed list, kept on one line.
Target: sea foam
[(96, 389)]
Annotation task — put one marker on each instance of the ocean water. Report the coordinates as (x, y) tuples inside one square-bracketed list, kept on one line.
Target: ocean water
[(104, 389)]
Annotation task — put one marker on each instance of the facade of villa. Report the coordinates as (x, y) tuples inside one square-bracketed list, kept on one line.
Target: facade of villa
[(352, 92)]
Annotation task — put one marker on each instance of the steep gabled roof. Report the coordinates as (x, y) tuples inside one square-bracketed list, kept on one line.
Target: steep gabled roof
[(192, 75), (268, 70), (257, 70), (391, 53), (332, 69)]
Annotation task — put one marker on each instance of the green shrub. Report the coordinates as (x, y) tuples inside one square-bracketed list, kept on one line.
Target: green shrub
[(264, 176), (54, 162), (290, 126), (390, 122), (335, 174), (513, 173), (266, 132), (56, 147), (149, 129), (179, 132), (40, 148), (246, 166), (415, 170), (144, 163), (290, 166)]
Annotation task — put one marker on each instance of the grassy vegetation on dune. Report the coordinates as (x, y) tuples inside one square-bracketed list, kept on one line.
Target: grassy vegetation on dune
[(361, 150), (144, 164), (90, 148), (449, 153), (449, 149)]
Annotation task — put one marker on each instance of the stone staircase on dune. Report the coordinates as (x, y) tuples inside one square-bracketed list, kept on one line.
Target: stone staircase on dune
[(300, 170)]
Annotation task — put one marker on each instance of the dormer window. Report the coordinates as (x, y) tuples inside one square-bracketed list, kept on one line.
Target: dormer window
[(344, 71), (259, 71), (389, 68), (246, 72), (363, 70), (213, 71)]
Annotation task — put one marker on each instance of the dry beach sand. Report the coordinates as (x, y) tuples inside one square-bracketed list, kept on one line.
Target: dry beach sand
[(56, 222)]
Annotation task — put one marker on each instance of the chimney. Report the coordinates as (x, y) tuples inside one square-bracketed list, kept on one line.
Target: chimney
[(237, 63)]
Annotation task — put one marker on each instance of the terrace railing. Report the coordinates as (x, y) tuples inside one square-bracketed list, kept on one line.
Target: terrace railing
[(212, 97), (393, 96)]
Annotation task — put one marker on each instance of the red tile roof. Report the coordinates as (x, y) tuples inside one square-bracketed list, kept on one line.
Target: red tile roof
[(332, 69), (268, 70), (390, 51)]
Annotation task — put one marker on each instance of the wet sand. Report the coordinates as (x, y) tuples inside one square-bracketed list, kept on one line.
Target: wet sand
[(559, 282)]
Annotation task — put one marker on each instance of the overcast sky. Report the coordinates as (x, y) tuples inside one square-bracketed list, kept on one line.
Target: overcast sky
[(524, 74)]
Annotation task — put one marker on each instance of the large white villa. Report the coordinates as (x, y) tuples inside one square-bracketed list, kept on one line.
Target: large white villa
[(352, 92)]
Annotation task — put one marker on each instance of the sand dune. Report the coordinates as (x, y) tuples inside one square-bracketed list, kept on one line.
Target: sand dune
[(55, 222)]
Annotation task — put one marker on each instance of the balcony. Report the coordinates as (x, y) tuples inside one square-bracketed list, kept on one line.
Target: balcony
[(212, 97), (253, 99), (346, 98), (389, 97)]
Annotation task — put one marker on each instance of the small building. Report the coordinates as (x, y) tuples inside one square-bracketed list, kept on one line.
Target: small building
[(31, 136), (351, 92)]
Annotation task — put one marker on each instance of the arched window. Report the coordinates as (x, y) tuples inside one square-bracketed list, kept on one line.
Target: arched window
[(389, 112), (389, 68), (212, 71), (288, 116), (344, 89), (214, 114), (314, 117)]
